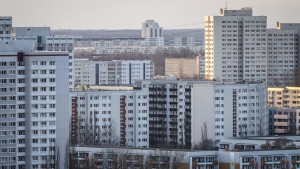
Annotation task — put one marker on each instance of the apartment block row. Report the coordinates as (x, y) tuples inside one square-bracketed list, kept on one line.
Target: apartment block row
[(193, 159), (116, 72), (152, 40), (239, 46), (169, 113)]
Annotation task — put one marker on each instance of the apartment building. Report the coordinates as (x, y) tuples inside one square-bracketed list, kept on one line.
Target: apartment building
[(33, 105), (107, 115), (115, 72), (6, 28), (179, 109), (152, 33), (230, 110), (202, 67), (283, 56), (170, 112), (259, 159), (284, 97), (192, 159), (236, 46), (45, 41), (63, 43), (284, 121), (183, 68)]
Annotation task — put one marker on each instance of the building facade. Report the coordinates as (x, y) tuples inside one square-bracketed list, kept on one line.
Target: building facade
[(44, 41), (192, 159), (230, 110), (284, 97), (183, 68), (34, 103), (110, 116), (284, 121), (152, 33), (6, 28), (115, 72), (33, 106), (238, 46), (170, 112), (179, 109)]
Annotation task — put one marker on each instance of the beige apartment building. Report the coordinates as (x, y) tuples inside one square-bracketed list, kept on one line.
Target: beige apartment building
[(183, 68), (284, 97)]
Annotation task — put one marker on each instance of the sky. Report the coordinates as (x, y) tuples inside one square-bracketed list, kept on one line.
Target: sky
[(129, 14)]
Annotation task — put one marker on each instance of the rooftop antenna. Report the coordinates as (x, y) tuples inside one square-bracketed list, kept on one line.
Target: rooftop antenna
[(226, 3)]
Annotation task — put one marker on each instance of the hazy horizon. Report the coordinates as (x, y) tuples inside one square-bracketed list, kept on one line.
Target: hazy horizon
[(129, 14)]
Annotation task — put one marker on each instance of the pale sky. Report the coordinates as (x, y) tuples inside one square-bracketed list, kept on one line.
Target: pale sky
[(129, 14)]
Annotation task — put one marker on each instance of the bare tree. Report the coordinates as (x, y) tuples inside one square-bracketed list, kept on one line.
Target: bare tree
[(72, 158), (266, 146), (158, 159), (205, 143), (281, 142), (178, 160)]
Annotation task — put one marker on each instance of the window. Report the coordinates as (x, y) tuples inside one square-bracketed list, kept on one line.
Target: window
[(43, 123), (52, 80), (21, 106), (51, 71), (52, 63), (52, 123), (43, 71), (43, 80), (43, 63), (43, 140)]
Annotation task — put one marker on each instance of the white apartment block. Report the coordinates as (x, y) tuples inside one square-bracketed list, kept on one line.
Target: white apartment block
[(282, 57), (84, 72), (236, 46), (33, 106), (45, 41), (115, 72), (111, 116), (152, 33), (169, 112), (5, 27), (230, 110), (63, 43)]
